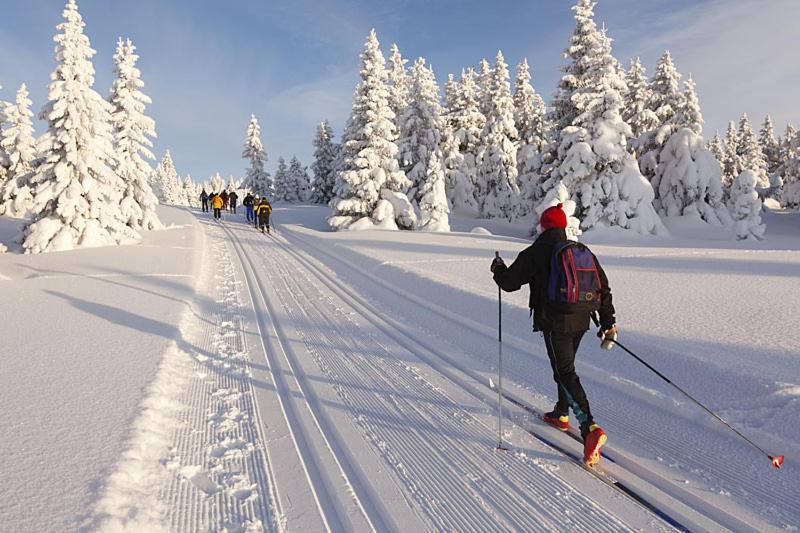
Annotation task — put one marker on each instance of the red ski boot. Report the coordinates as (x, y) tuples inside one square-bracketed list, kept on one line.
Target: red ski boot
[(593, 439), (556, 420)]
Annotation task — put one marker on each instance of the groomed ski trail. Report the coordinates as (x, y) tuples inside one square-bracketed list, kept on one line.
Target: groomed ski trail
[(371, 403), (689, 508)]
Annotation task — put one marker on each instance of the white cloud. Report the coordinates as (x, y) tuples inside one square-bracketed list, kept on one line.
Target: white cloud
[(743, 54)]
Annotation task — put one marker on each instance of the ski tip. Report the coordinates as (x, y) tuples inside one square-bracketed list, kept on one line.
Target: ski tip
[(777, 460)]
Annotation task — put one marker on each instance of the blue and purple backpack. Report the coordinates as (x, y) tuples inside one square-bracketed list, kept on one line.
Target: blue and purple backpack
[(574, 285)]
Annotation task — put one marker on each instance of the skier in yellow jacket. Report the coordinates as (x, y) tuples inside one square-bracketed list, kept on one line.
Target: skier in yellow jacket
[(263, 211), (216, 204)]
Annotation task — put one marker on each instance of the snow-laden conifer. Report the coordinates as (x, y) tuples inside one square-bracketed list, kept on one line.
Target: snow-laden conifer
[(299, 182), (636, 111), (166, 182), (529, 118), (132, 144), (665, 101), (19, 149), (467, 121), (191, 192), (217, 183), (497, 159), (602, 176), (458, 186), (257, 179), (282, 186), (732, 164), (421, 131), (483, 79), (369, 170), (76, 192), (433, 201), (770, 146), (790, 168), (325, 152), (398, 85), (745, 206), (750, 155)]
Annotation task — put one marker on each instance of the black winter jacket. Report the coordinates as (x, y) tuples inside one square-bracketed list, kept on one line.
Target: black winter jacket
[(532, 267)]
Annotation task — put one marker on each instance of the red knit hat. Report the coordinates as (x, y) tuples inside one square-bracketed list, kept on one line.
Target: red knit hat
[(554, 217)]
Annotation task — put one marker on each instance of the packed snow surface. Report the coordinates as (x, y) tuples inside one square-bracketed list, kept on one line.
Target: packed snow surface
[(213, 378)]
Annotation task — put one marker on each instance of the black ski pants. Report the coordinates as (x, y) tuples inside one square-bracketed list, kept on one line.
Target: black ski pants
[(561, 349), (205, 205), (217, 213)]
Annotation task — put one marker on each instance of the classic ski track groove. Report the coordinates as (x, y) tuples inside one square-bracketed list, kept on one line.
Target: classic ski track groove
[(335, 515), (510, 512), (720, 516), (243, 496), (328, 280)]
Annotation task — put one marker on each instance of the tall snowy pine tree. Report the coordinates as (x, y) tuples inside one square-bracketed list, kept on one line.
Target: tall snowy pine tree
[(370, 189), (602, 176), (497, 167), (19, 148), (283, 192), (421, 132), (257, 179), (76, 192), (750, 155), (325, 152), (131, 143), (529, 118)]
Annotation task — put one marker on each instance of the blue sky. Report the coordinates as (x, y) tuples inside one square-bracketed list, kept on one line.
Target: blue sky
[(208, 64)]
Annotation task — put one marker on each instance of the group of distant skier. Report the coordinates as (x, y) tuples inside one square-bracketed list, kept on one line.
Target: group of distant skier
[(258, 210)]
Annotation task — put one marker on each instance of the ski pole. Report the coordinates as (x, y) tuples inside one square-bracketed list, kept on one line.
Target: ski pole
[(777, 460), (500, 445)]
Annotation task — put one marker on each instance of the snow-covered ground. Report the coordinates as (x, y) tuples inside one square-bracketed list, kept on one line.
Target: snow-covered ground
[(214, 378)]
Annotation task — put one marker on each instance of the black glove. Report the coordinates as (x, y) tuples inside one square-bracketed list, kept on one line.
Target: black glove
[(498, 261)]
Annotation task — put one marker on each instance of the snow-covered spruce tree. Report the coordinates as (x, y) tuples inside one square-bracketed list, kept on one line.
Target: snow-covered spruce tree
[(217, 183), (529, 118), (602, 176), (750, 155), (483, 80), (467, 122), (770, 146), (421, 132), (732, 164), (458, 187), (665, 100), (167, 182), (191, 194), (790, 169), (688, 176), (497, 159), (745, 206), (76, 192), (300, 184), (399, 85), (132, 129), (717, 147), (282, 187), (323, 166), (19, 147), (433, 202), (257, 179), (370, 189), (636, 111)]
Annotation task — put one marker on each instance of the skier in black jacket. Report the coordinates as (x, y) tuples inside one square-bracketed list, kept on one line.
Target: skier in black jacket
[(562, 332)]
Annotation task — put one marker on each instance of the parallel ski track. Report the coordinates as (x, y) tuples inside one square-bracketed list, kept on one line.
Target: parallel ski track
[(428, 452), (720, 516), (324, 488), (419, 349), (189, 508)]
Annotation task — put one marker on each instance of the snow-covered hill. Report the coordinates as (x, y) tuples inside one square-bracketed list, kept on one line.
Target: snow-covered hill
[(214, 378)]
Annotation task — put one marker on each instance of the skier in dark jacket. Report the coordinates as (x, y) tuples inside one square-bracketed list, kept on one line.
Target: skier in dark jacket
[(204, 200), (224, 196), (233, 198), (248, 206), (562, 333)]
